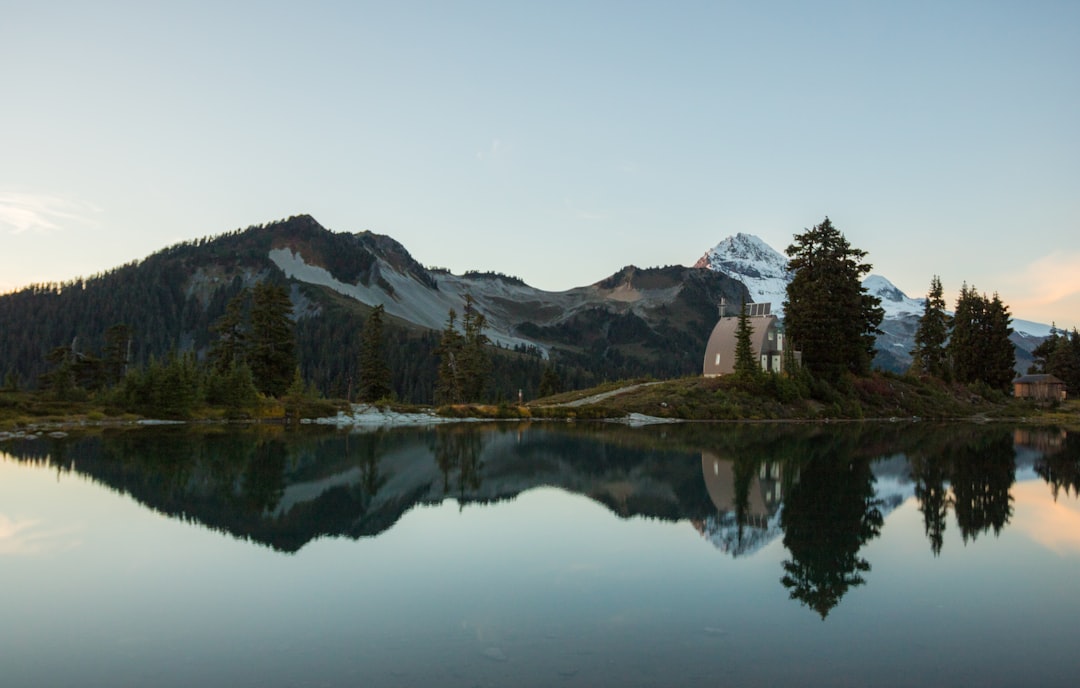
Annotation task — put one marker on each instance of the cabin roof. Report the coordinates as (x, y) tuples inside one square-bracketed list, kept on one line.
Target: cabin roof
[(1036, 378)]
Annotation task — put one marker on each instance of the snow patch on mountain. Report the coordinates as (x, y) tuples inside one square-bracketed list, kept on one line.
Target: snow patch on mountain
[(411, 300), (896, 303), (1031, 329), (757, 265)]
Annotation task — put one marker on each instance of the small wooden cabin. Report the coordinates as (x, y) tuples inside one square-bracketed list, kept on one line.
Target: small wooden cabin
[(1039, 388)]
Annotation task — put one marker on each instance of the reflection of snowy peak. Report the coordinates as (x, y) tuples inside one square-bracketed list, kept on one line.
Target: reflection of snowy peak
[(722, 530), (750, 260)]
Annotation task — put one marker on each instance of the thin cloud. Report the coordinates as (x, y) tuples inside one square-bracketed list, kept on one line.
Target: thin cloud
[(36, 212), (1049, 280), (1053, 524), (27, 537)]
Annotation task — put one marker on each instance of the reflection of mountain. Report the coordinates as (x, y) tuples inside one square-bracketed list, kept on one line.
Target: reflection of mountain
[(284, 489)]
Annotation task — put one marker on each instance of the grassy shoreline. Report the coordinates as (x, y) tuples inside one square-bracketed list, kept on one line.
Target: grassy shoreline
[(880, 396)]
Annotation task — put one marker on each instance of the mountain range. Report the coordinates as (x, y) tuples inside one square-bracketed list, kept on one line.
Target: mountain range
[(638, 321)]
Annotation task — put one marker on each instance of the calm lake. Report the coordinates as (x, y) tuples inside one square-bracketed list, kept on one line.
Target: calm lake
[(892, 554)]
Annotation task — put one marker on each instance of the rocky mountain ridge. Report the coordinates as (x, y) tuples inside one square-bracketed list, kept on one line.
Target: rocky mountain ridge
[(639, 321)]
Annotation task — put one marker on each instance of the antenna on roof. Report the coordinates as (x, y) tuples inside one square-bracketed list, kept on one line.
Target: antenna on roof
[(723, 306)]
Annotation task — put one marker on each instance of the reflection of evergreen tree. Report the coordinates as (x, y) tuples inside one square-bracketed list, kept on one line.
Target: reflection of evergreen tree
[(744, 470), (1061, 468), (458, 449), (929, 474), (982, 473), (264, 481), (828, 516), (370, 453)]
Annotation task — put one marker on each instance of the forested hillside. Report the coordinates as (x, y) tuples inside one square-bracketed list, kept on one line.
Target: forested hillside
[(637, 322)]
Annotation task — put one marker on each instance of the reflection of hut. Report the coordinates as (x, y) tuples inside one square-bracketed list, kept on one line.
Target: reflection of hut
[(1041, 439), (1039, 388), (764, 493), (766, 339)]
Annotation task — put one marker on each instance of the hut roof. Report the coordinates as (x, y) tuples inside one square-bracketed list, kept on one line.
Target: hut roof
[(1043, 378)]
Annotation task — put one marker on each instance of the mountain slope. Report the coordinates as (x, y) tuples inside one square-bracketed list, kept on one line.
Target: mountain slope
[(651, 321)]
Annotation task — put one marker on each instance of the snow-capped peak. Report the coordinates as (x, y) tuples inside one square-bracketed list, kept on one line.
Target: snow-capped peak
[(895, 302), (736, 253), (750, 260)]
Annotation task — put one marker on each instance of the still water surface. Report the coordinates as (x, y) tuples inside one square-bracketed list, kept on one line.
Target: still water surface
[(758, 555)]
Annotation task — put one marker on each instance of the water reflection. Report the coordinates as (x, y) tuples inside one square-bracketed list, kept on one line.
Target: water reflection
[(829, 515), (747, 494), (823, 492)]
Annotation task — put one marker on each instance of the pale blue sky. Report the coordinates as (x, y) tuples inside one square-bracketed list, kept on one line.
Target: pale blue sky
[(556, 141)]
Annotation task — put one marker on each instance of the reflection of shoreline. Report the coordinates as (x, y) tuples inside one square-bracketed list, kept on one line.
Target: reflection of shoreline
[(285, 489)]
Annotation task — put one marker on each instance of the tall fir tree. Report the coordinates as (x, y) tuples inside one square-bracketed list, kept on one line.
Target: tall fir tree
[(272, 344), (979, 347), (828, 313), (117, 354), (374, 372), (448, 383), (464, 363), (1001, 354), (745, 365), (228, 350), (929, 356), (963, 347), (475, 361)]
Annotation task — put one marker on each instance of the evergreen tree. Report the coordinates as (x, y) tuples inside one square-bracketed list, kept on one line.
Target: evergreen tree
[(272, 344), (475, 362), (550, 382), (1001, 355), (228, 350), (60, 380), (745, 365), (1059, 355), (828, 314), (464, 364), (929, 355), (963, 347), (374, 372), (116, 355), (448, 384), (233, 389), (979, 346)]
